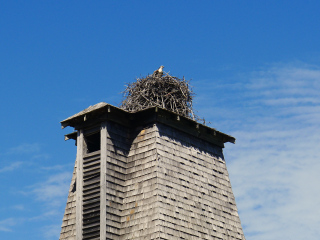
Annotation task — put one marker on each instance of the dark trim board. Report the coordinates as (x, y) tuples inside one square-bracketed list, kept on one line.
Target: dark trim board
[(105, 112)]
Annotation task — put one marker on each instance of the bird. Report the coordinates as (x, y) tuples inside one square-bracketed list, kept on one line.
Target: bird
[(158, 72)]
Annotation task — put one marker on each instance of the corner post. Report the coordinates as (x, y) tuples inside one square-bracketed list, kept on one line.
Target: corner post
[(79, 185), (103, 181)]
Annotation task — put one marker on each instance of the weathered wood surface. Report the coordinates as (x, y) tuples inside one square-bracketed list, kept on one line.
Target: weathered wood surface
[(91, 197), (162, 183), (103, 181), (68, 227), (79, 185)]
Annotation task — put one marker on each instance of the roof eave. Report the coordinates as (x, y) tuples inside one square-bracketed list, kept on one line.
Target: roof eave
[(159, 114)]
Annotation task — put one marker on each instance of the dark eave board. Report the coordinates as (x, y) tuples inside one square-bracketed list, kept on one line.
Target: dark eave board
[(103, 111)]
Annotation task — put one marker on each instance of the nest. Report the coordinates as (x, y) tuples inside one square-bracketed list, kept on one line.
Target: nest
[(162, 91)]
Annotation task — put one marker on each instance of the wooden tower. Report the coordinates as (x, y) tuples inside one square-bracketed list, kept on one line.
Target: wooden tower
[(148, 175)]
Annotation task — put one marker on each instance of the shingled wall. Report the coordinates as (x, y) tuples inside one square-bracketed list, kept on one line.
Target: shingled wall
[(68, 227), (195, 195), (163, 183)]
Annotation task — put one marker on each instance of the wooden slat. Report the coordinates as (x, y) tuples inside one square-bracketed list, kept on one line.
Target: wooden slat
[(91, 197)]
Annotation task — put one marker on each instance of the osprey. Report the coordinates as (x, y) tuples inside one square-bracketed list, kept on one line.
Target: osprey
[(158, 72)]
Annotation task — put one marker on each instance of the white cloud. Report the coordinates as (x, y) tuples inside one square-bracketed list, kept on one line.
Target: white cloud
[(50, 212), (19, 207), (50, 197), (11, 167), (56, 167), (41, 156), (25, 148), (274, 165), (7, 224), (51, 231), (53, 189)]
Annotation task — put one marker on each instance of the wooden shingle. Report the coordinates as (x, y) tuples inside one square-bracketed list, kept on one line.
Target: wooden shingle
[(161, 181)]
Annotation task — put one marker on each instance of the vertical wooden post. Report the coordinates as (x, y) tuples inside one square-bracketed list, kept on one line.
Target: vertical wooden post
[(79, 185), (103, 181)]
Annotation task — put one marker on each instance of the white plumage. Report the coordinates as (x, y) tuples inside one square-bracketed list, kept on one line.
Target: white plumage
[(158, 72)]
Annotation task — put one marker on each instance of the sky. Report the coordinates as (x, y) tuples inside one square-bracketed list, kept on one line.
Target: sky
[(254, 67)]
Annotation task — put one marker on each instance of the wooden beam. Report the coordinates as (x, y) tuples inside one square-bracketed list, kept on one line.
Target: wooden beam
[(103, 181), (72, 135), (79, 185)]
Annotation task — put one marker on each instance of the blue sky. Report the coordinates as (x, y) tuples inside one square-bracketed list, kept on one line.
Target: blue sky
[(255, 69)]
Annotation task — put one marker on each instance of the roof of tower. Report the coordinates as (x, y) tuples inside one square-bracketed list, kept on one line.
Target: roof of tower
[(104, 111)]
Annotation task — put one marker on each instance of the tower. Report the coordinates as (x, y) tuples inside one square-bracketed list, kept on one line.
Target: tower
[(152, 174)]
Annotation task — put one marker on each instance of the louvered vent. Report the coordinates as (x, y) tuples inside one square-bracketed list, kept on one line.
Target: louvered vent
[(91, 196)]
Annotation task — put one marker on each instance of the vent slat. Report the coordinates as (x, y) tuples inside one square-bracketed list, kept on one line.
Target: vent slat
[(91, 230), (91, 186), (91, 171), (91, 166), (91, 197), (85, 203), (91, 191), (90, 180), (91, 225)]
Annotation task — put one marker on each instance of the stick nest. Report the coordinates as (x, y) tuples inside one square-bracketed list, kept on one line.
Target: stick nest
[(166, 92)]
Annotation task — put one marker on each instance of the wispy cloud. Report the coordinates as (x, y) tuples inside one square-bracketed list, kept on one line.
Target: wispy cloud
[(56, 167), (41, 156), (274, 165), (53, 189), (25, 148), (7, 224), (49, 213), (52, 194), (10, 167), (51, 231), (49, 196), (19, 207)]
